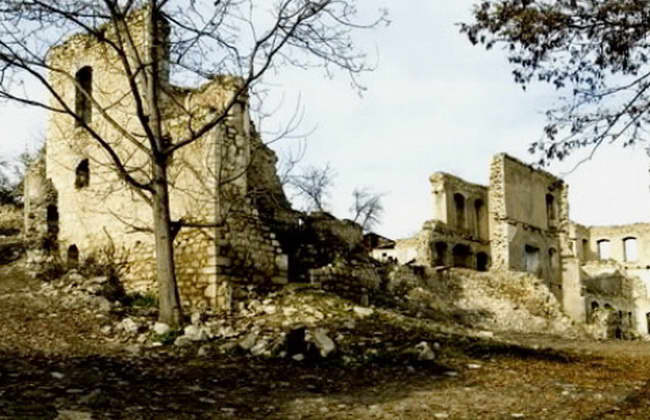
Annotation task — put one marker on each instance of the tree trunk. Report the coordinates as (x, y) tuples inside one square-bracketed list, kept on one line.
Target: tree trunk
[(170, 311)]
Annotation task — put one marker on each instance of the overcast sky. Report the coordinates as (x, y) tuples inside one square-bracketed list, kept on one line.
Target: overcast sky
[(435, 103)]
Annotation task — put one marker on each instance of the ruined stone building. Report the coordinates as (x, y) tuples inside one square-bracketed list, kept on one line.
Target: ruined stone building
[(78, 209), (520, 222)]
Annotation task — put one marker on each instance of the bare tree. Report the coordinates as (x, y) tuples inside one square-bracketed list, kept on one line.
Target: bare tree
[(12, 176), (242, 38), (367, 208), (313, 186)]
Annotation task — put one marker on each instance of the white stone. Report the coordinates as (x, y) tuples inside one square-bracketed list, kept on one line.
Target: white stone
[(289, 311), (128, 325), (182, 341), (203, 350), (195, 333), (259, 348), (324, 344), (161, 328), (57, 375), (196, 318), (102, 304), (249, 341), (269, 309), (363, 312), (424, 351), (485, 334)]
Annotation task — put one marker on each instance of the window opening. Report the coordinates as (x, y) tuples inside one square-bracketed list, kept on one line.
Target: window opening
[(82, 175), (83, 105)]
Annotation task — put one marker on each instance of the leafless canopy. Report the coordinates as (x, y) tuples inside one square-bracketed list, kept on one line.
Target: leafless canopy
[(313, 186), (241, 38), (366, 208)]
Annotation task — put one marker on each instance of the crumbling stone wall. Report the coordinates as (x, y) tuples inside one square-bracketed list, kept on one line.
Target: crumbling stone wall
[(403, 251), (11, 220), (608, 285), (460, 205), (617, 235), (528, 211), (209, 182)]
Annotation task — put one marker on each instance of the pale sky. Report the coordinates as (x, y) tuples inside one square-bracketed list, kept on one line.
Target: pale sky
[(435, 103)]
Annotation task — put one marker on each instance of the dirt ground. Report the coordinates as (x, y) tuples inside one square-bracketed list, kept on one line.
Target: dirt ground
[(54, 363)]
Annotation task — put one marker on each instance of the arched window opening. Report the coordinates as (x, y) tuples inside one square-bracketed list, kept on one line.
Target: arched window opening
[(84, 89), (585, 249), (604, 249), (481, 261), (441, 253), (82, 175), (459, 204), (73, 256), (550, 207), (630, 250), (594, 305), (462, 255), (531, 259), (478, 213)]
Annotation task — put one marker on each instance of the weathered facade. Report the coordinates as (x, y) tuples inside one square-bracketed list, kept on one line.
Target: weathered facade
[(77, 207), (520, 222)]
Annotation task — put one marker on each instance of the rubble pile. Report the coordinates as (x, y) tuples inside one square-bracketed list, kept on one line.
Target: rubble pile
[(298, 322)]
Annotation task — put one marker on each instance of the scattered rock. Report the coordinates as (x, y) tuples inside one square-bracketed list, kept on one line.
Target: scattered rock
[(363, 312), (248, 342), (289, 311), (161, 328), (203, 351), (196, 318), (182, 341), (195, 333), (101, 303), (73, 415), (57, 375), (424, 351), (128, 325), (323, 343), (485, 334), (269, 309), (91, 398)]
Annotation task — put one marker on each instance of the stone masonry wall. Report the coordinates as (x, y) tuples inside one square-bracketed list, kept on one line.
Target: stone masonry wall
[(526, 218), (208, 179)]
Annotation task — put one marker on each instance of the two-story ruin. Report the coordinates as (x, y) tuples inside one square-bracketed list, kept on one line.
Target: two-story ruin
[(78, 208), (520, 222)]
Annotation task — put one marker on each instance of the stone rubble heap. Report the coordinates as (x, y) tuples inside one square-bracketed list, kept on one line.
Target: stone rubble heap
[(302, 324)]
